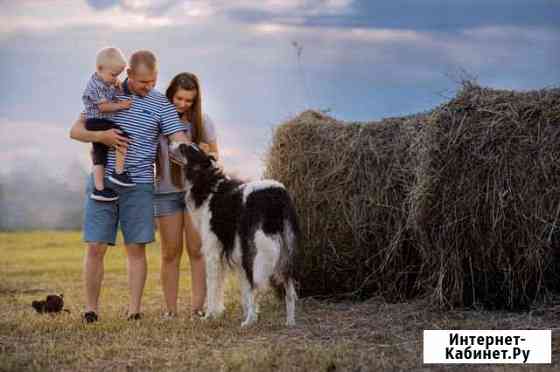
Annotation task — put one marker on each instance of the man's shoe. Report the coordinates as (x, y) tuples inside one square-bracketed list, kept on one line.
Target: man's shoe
[(105, 195), (89, 317), (135, 316), (123, 179)]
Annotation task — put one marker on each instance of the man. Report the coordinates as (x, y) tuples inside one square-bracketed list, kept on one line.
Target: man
[(150, 115)]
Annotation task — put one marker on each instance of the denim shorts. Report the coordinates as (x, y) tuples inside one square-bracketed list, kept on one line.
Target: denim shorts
[(133, 212), (169, 203)]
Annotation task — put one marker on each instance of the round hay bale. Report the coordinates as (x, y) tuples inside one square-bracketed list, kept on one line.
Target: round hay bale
[(485, 208), (460, 205), (349, 182)]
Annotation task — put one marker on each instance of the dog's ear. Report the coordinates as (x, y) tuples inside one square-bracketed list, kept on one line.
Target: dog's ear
[(196, 155), (194, 152)]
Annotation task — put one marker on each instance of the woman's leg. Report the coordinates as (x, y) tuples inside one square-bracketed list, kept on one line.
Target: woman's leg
[(171, 237), (198, 272)]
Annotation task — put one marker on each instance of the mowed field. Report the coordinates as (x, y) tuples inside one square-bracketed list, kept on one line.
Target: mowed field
[(368, 336)]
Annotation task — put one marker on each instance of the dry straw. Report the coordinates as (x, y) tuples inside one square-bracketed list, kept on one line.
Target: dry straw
[(460, 205)]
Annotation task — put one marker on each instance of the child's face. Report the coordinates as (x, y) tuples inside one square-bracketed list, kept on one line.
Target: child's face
[(109, 75), (184, 99)]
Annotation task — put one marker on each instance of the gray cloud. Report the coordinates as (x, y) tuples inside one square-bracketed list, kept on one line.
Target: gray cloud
[(102, 4), (426, 15), (250, 73)]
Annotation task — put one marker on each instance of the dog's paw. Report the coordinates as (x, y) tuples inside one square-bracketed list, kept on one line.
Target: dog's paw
[(206, 317), (216, 314), (220, 310), (249, 320)]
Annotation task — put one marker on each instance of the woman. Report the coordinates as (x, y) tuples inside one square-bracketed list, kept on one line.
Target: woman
[(173, 220)]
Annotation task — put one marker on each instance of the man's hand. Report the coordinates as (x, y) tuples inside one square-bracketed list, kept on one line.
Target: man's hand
[(110, 137), (125, 104), (114, 138)]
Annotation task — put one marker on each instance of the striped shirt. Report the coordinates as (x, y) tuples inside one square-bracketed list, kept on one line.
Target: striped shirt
[(144, 121), (95, 93)]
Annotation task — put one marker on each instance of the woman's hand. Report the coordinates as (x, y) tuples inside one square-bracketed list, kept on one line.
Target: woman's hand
[(210, 149), (204, 147)]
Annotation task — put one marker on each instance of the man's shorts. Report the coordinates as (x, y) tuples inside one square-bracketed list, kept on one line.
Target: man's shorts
[(133, 212), (169, 203)]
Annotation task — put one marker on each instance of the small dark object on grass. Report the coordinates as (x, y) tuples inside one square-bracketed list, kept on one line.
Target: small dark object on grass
[(90, 317), (52, 304)]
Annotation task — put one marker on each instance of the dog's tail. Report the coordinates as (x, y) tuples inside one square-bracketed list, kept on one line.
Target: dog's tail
[(284, 280)]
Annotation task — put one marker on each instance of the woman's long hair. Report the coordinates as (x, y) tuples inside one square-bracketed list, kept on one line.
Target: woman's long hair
[(193, 115)]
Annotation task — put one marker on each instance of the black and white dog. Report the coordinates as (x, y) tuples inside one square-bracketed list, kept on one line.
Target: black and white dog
[(250, 226)]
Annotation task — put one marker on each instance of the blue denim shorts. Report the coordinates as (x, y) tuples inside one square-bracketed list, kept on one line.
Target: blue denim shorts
[(133, 212), (169, 203)]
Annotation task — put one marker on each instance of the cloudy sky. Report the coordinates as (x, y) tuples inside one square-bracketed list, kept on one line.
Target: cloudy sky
[(362, 60)]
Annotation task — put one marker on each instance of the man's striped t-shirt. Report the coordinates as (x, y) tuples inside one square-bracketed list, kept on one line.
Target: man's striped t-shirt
[(144, 121)]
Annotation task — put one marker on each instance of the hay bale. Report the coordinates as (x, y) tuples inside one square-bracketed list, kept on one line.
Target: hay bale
[(485, 207), (460, 205), (349, 183)]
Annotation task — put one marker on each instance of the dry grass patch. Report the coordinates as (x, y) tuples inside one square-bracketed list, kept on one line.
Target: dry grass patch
[(368, 336)]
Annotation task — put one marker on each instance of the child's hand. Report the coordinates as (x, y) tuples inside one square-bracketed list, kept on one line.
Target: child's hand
[(125, 104), (119, 86)]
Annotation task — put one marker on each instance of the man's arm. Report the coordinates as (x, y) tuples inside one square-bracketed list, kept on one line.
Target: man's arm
[(181, 136), (110, 137), (175, 140)]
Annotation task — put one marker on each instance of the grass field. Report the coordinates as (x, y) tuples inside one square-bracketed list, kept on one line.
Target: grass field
[(367, 336)]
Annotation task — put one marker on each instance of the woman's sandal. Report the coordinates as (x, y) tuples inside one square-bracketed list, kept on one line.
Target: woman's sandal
[(135, 316), (168, 315), (198, 314)]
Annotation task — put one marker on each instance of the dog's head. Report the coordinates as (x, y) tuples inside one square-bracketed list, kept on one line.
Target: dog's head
[(194, 160), (195, 156)]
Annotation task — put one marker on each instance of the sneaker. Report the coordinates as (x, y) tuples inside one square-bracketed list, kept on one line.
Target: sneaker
[(122, 179), (89, 317), (198, 314), (168, 315), (104, 195), (135, 316)]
